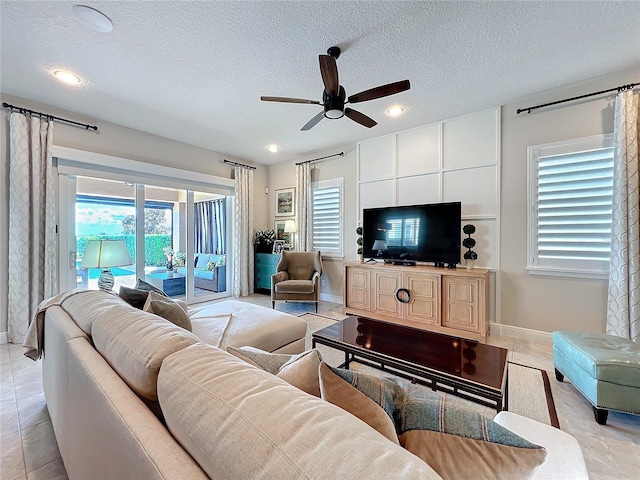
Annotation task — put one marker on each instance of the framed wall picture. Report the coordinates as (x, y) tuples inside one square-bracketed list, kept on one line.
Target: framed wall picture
[(285, 202), (278, 246), (278, 227)]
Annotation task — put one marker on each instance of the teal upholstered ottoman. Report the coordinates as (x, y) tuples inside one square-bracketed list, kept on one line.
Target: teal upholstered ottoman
[(604, 368)]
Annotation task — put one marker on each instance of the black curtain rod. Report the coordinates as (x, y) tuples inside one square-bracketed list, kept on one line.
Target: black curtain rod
[(618, 89), (239, 164), (26, 111), (341, 154)]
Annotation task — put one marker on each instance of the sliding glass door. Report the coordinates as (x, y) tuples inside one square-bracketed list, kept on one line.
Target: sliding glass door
[(176, 237)]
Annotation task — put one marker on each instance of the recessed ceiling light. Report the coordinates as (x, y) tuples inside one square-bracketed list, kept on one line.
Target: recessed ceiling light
[(395, 111), (273, 148), (65, 76), (92, 18)]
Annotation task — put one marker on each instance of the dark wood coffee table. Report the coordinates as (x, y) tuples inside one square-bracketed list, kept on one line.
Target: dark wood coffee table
[(466, 368)]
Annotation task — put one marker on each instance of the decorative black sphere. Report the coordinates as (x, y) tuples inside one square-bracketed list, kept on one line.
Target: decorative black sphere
[(469, 229), (468, 242)]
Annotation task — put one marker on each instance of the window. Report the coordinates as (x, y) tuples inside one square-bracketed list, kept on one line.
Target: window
[(327, 216), (570, 198)]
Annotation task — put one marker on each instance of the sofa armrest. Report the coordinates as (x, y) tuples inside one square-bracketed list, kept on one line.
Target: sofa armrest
[(564, 455), (316, 280)]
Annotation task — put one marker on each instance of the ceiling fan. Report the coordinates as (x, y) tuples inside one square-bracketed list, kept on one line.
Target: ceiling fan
[(334, 97)]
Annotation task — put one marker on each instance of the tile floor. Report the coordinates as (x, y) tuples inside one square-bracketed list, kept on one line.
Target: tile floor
[(29, 450)]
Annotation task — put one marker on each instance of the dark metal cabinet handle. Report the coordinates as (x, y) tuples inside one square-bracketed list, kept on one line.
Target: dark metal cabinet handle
[(406, 295)]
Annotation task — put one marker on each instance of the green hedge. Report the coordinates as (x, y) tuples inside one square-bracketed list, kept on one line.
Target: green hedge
[(153, 245)]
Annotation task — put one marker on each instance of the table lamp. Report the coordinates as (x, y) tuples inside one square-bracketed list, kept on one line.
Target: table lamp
[(380, 246), (290, 227), (105, 254)]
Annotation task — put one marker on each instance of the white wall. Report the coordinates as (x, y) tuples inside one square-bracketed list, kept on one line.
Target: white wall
[(113, 140), (283, 175), (543, 302)]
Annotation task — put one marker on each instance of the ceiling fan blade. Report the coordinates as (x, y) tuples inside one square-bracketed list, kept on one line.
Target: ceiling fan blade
[(361, 118), (381, 91), (329, 71), (289, 100), (313, 122)]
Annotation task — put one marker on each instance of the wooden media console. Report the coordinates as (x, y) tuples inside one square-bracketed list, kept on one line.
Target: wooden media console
[(449, 301)]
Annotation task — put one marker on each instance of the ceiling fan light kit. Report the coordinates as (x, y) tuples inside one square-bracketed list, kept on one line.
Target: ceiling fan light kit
[(334, 96)]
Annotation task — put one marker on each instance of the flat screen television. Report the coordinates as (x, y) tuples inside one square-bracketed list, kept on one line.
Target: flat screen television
[(423, 233)]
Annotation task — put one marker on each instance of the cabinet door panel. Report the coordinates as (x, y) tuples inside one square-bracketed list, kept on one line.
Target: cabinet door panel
[(424, 306), (359, 296), (461, 303), (385, 286)]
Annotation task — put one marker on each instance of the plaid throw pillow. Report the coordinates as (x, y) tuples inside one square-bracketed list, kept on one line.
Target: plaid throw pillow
[(417, 408)]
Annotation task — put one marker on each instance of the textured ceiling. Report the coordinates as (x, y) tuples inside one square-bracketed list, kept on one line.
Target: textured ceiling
[(194, 71)]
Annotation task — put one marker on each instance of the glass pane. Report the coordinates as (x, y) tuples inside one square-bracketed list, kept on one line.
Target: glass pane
[(105, 210), (165, 239), (210, 249)]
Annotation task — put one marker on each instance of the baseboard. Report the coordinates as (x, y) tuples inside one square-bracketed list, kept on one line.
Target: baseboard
[(330, 298), (3, 338), (521, 333)]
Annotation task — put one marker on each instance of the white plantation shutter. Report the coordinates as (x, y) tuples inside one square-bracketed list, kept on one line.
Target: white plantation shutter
[(571, 191), (327, 216)]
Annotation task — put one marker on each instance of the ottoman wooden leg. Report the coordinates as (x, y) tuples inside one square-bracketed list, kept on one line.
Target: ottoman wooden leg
[(601, 415), (559, 376)]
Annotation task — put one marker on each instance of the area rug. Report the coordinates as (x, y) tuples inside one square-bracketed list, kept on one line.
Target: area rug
[(529, 389)]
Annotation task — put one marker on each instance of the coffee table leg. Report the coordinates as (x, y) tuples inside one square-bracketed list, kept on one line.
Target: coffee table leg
[(505, 400), (346, 360)]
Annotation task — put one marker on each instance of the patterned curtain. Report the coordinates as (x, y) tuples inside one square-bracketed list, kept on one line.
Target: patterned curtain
[(210, 226), (623, 305), (304, 236), (32, 225), (243, 233)]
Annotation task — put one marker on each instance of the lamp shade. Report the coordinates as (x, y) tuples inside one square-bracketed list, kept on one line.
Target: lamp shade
[(290, 226), (379, 245), (105, 254)]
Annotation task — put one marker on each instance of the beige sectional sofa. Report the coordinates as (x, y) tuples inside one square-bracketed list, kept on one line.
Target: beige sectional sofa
[(108, 366), (132, 395)]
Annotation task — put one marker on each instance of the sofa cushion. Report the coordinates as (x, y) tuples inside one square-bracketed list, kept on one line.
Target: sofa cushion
[(338, 392), (167, 309), (203, 259), (423, 417), (133, 296), (204, 274), (247, 324), (135, 343), (214, 403), (294, 286), (299, 370), (419, 408), (455, 457), (84, 309)]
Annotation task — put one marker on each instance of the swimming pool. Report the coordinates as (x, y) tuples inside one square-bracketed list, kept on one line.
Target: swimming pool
[(116, 271)]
